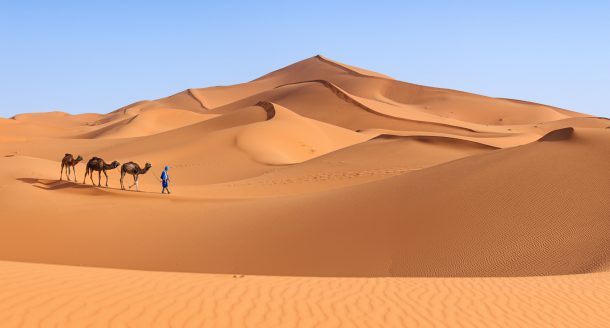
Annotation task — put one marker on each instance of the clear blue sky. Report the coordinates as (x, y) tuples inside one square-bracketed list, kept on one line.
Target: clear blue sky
[(96, 56)]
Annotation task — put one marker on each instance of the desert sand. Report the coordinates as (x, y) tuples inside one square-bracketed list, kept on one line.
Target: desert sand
[(320, 194)]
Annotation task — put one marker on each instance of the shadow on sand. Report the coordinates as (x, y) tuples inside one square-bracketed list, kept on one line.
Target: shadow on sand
[(53, 184), (48, 184)]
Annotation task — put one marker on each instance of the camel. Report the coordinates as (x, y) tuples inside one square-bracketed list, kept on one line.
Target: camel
[(67, 162), (98, 164), (135, 170)]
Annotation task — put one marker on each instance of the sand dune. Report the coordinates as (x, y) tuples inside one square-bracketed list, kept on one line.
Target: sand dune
[(496, 140), (446, 104), (412, 224), (44, 125), (349, 166), (147, 123), (415, 203), (405, 112), (43, 295), (301, 138)]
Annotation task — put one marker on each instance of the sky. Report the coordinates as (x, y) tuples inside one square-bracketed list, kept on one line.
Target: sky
[(97, 56)]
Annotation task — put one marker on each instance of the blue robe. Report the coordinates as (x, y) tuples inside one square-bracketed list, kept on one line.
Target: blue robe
[(164, 178)]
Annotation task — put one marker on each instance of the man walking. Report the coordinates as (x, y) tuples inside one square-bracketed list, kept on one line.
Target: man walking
[(165, 180)]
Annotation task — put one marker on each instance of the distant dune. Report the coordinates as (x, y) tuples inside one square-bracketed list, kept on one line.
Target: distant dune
[(357, 199)]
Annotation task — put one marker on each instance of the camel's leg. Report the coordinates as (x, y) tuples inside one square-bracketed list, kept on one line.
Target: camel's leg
[(106, 178), (135, 179), (99, 178), (68, 172), (74, 170), (61, 173), (122, 176), (86, 172)]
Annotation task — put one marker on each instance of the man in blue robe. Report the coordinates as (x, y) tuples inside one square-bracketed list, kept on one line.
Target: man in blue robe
[(165, 180)]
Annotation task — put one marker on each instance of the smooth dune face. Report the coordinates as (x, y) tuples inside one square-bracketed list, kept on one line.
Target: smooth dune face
[(288, 138), (388, 190)]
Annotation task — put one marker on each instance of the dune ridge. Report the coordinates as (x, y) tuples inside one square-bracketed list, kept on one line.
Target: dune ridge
[(343, 95), (302, 138), (192, 94), (377, 94), (351, 69)]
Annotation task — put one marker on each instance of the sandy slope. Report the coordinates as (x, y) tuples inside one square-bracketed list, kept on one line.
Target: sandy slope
[(287, 138), (149, 122), (514, 220), (316, 169), (34, 295)]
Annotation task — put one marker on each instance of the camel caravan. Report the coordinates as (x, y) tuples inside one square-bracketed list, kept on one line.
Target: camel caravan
[(97, 164)]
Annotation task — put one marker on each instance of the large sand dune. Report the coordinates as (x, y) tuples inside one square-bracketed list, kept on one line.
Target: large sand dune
[(411, 201)]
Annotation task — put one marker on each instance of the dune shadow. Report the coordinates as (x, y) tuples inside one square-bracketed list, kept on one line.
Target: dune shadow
[(558, 135)]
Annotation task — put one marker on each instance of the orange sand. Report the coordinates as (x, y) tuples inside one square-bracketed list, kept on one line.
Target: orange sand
[(357, 199), (37, 295)]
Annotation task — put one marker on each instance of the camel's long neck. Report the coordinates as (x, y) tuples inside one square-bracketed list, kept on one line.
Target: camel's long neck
[(145, 170)]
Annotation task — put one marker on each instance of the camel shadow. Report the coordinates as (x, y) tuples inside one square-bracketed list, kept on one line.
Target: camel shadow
[(49, 184)]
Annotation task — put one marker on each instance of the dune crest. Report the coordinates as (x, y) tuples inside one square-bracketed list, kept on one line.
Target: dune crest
[(352, 69), (148, 122), (299, 139)]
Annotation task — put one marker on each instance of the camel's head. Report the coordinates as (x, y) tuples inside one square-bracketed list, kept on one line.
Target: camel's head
[(147, 166), (115, 164), (79, 158)]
